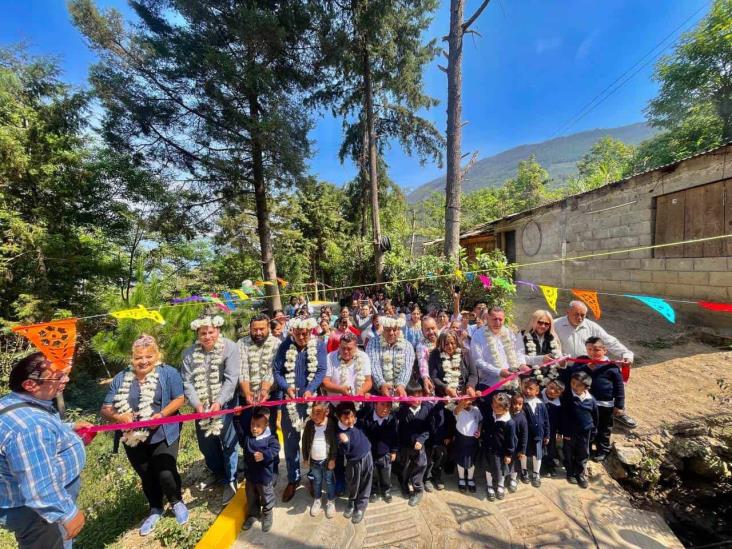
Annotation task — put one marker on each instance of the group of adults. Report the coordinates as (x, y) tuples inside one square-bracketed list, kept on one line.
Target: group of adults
[(377, 352)]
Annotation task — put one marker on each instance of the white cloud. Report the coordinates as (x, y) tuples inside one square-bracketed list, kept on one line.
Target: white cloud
[(547, 44), (584, 48)]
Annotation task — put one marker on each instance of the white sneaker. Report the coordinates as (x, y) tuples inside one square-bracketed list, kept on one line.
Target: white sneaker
[(330, 509), (315, 508)]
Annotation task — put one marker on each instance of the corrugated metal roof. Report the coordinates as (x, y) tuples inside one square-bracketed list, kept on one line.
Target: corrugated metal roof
[(478, 229)]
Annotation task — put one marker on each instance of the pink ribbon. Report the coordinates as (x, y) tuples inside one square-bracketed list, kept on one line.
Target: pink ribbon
[(180, 418)]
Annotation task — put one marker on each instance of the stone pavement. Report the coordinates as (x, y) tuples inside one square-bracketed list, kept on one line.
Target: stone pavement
[(556, 515)]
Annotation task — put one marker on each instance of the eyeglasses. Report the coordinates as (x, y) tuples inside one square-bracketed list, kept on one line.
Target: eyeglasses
[(44, 379), (543, 323)]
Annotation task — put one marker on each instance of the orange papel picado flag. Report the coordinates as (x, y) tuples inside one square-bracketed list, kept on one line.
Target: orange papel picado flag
[(56, 340), (589, 297)]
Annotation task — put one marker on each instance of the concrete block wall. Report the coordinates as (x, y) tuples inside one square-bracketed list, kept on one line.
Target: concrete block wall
[(617, 217)]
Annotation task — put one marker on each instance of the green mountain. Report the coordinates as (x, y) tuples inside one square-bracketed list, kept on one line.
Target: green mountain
[(558, 156)]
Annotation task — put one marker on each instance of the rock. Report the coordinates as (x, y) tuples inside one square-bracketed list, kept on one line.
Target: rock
[(690, 429), (688, 447), (656, 440), (628, 455), (709, 467), (615, 468), (594, 470)]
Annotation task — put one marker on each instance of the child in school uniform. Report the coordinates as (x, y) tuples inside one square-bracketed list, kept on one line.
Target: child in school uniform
[(414, 419), (356, 449), (260, 453), (379, 424), (468, 418), (551, 396), (498, 441), (537, 418), (522, 439), (319, 450), (579, 421), (609, 392), (442, 431)]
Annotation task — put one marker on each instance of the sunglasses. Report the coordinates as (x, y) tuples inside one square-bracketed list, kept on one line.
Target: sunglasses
[(543, 323)]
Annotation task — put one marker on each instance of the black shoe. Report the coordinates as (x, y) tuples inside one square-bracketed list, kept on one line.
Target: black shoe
[(601, 457), (405, 490), (461, 485), (267, 522), (582, 481), (500, 492), (357, 517), (387, 497), (626, 421), (490, 493), (350, 508), (524, 476), (415, 499), (571, 479), (373, 497), (472, 488), (428, 486), (249, 523)]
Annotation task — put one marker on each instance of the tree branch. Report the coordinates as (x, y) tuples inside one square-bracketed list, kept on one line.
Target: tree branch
[(475, 16)]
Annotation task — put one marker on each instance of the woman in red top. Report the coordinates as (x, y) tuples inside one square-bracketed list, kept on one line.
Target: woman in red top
[(342, 326)]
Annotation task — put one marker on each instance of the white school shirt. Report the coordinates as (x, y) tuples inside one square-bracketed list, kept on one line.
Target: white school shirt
[(546, 400), (319, 449), (468, 421), (532, 402), (333, 369)]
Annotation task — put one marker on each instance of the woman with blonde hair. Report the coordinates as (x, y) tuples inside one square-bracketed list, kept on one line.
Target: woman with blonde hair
[(541, 343), (149, 389)]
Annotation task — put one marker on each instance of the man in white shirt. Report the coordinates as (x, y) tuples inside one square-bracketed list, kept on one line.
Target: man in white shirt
[(494, 350), (349, 369), (573, 331)]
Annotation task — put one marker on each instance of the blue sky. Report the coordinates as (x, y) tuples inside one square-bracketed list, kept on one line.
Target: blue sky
[(537, 64)]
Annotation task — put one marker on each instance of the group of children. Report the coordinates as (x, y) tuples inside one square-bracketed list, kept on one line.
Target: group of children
[(510, 435)]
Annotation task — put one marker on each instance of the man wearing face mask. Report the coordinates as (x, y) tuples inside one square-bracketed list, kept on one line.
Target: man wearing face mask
[(41, 459), (210, 373)]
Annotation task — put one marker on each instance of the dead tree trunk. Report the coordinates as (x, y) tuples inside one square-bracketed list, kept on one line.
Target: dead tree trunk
[(455, 173), (373, 174)]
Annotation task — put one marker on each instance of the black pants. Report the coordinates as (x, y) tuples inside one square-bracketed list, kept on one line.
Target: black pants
[(414, 464), (157, 468), (604, 429), (577, 452), (382, 475), (260, 499), (359, 473), (436, 456)]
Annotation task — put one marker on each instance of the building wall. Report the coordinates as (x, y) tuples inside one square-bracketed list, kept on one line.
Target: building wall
[(617, 217)]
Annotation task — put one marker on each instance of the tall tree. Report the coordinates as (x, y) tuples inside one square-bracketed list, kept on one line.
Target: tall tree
[(698, 71), (455, 171), (210, 88), (375, 56)]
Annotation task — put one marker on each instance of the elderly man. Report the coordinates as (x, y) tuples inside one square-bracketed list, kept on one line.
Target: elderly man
[(210, 374), (41, 459), (494, 351), (349, 369), (424, 347), (392, 358), (575, 328), (299, 368), (255, 377)]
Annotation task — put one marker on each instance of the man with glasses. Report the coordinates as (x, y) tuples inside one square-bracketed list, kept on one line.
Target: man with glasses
[(41, 459), (575, 328)]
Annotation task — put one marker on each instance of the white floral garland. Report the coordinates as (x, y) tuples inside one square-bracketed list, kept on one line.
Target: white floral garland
[(541, 373), (511, 361), (144, 409), (387, 359), (258, 360), (207, 382), (392, 322), (358, 370), (451, 373), (290, 359)]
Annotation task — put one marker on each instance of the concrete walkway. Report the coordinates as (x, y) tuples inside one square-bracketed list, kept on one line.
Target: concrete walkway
[(556, 515)]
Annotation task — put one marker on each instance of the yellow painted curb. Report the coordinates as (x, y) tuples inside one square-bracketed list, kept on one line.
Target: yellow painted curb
[(225, 529)]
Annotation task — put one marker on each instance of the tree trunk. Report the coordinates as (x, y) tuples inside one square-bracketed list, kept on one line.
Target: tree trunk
[(260, 199), (373, 175), (453, 186)]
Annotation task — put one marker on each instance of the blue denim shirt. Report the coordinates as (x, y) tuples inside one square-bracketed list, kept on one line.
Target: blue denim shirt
[(170, 387)]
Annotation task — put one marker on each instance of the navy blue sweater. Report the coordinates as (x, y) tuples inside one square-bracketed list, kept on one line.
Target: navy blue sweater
[(356, 447), (442, 425), (522, 432), (261, 472), (383, 438), (578, 416), (414, 428), (497, 437), (607, 381), (538, 422), (555, 417)]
